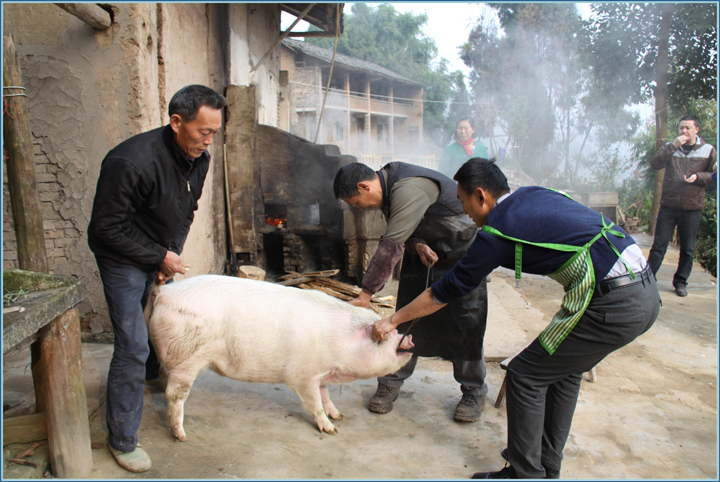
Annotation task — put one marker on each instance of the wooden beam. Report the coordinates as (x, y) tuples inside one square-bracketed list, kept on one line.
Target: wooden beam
[(22, 182), (66, 400), (322, 33), (89, 13), (282, 37), (24, 429)]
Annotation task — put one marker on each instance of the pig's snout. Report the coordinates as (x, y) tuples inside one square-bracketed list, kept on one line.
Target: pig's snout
[(406, 343)]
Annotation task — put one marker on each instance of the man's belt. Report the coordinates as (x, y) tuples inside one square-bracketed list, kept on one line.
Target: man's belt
[(613, 283)]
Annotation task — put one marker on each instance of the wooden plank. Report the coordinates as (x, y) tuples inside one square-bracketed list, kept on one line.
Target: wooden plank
[(243, 175), (328, 291), (312, 274), (25, 429), (251, 272), (69, 442), (89, 13)]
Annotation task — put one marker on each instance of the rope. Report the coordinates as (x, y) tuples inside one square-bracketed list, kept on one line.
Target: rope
[(7, 111)]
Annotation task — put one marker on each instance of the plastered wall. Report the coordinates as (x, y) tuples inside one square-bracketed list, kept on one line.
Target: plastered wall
[(88, 90)]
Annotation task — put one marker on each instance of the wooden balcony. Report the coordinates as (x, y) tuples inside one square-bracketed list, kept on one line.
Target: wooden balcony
[(305, 98)]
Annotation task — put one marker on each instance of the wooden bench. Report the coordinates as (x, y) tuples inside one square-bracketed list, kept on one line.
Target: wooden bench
[(503, 388), (50, 325)]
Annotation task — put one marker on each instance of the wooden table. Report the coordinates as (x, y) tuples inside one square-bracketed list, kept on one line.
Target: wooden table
[(50, 325)]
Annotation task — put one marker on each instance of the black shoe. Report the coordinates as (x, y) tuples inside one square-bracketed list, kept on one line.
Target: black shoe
[(469, 408), (382, 401), (506, 473), (680, 291), (552, 474)]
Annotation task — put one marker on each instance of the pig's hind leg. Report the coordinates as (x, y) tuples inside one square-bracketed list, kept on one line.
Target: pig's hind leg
[(330, 409), (311, 396), (180, 380)]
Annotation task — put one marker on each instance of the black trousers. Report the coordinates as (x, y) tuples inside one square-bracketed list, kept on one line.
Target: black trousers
[(687, 223), (542, 389)]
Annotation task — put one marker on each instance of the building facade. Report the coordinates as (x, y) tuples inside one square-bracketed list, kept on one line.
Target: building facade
[(369, 112)]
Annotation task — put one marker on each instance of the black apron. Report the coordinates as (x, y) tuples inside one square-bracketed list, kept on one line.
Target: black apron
[(455, 332)]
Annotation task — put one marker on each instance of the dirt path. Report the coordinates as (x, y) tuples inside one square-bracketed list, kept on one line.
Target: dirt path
[(652, 414)]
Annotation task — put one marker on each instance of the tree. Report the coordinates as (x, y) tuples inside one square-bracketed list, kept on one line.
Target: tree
[(642, 50), (528, 80), (395, 41)]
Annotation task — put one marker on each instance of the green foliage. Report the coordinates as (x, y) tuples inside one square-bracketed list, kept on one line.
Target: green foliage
[(623, 49), (706, 244), (529, 80), (394, 40)]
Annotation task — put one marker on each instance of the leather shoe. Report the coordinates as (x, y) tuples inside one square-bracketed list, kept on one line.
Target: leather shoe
[(469, 408), (382, 401), (680, 290), (506, 472)]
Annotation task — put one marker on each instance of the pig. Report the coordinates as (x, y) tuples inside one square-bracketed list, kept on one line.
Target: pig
[(257, 331)]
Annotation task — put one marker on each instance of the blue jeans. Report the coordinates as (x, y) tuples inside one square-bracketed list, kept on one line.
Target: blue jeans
[(687, 223), (126, 289)]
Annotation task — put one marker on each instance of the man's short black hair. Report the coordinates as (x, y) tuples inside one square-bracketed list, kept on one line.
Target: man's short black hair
[(691, 118), (187, 101), (348, 177), (484, 173)]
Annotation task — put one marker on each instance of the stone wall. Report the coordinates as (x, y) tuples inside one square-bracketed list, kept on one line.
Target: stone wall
[(88, 90)]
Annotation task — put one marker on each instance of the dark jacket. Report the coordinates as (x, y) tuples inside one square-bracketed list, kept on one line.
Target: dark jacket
[(676, 193), (456, 332), (145, 200), (447, 204)]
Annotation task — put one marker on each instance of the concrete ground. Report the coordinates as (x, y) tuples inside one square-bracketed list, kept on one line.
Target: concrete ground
[(651, 414)]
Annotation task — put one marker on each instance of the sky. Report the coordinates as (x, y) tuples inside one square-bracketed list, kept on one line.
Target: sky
[(448, 24)]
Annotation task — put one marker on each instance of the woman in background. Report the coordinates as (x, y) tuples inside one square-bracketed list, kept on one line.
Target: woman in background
[(462, 148)]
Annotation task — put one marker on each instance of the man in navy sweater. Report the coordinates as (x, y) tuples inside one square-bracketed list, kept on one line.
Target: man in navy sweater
[(611, 298)]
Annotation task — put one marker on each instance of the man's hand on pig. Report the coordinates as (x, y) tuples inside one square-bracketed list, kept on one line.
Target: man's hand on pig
[(172, 264), (363, 300), (381, 328)]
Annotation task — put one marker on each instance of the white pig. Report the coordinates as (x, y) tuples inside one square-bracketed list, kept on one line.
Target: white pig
[(256, 331)]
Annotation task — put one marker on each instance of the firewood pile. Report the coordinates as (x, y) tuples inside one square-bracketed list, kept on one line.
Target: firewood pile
[(320, 281)]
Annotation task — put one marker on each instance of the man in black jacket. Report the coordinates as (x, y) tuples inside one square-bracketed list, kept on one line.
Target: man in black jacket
[(144, 205)]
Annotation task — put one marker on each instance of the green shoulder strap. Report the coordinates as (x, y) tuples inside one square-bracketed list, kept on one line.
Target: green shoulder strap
[(559, 247)]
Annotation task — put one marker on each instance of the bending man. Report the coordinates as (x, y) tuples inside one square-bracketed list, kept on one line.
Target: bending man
[(426, 223), (611, 298)]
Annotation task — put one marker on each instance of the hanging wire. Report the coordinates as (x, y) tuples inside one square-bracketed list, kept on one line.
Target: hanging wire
[(332, 64)]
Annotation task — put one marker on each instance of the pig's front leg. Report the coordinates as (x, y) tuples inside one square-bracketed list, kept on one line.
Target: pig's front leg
[(330, 409), (309, 393)]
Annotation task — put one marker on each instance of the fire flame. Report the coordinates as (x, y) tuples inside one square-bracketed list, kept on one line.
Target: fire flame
[(275, 221)]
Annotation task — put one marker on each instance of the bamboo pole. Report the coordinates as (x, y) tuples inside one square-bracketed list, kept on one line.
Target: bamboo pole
[(22, 184)]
